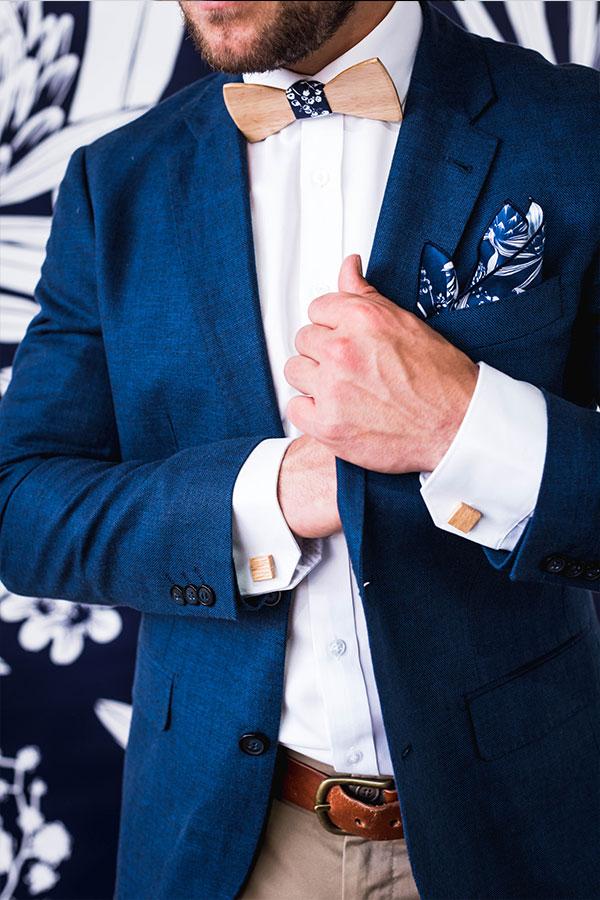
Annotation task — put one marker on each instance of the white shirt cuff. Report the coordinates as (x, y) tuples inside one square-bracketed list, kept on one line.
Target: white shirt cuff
[(259, 528), (495, 462)]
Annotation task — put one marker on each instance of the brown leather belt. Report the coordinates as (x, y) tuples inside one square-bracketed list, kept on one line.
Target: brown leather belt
[(344, 804)]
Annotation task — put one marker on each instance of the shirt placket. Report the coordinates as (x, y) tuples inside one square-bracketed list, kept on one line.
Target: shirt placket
[(333, 626)]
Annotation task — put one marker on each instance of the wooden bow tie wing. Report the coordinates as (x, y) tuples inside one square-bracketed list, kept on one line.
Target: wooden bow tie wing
[(257, 110), (365, 90)]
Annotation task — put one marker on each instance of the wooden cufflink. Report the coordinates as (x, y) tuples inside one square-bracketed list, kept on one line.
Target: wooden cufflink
[(262, 568), (465, 518)]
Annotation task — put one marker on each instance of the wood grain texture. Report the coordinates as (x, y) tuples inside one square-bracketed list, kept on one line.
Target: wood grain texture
[(465, 518), (262, 568), (365, 90), (257, 109)]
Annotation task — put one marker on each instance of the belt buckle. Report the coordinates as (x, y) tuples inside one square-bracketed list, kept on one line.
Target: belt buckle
[(321, 807)]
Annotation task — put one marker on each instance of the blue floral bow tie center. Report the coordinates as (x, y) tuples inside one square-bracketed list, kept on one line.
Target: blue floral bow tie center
[(307, 99)]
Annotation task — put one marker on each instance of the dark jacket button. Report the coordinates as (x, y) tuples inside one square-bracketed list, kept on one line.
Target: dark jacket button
[(592, 571), (573, 569), (554, 564), (191, 595), (255, 743), (272, 599), (206, 595), (177, 594)]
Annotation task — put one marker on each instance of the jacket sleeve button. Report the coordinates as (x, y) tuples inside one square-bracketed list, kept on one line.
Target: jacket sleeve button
[(592, 571), (206, 595), (177, 595), (554, 564), (191, 595), (254, 744), (574, 569), (272, 599)]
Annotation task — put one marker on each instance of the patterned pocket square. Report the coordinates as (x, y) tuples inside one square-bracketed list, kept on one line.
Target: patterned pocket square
[(510, 261)]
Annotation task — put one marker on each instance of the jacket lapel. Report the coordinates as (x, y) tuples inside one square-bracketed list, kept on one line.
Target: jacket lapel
[(439, 168), (209, 190)]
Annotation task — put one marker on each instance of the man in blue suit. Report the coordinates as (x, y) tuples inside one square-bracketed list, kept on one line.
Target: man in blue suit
[(399, 473)]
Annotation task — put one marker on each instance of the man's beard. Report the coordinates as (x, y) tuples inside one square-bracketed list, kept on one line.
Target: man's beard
[(298, 29)]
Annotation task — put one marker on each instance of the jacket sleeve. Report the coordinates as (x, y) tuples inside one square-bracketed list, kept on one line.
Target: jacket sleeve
[(561, 543), (76, 521)]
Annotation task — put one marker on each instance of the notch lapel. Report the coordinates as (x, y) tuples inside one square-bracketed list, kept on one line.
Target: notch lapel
[(440, 164), (211, 207)]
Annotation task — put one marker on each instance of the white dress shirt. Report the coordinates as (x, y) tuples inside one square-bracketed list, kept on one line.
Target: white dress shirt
[(316, 189)]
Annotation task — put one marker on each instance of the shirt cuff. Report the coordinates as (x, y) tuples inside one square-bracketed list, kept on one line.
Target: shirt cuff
[(259, 529), (494, 464)]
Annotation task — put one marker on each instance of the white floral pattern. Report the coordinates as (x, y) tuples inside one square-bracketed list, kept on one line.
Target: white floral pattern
[(59, 623), (307, 99), (117, 69), (33, 855)]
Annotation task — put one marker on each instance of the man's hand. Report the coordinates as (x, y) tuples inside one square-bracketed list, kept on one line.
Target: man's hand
[(384, 390), (306, 489)]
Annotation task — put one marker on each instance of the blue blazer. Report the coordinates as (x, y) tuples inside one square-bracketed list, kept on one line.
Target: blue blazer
[(143, 384)]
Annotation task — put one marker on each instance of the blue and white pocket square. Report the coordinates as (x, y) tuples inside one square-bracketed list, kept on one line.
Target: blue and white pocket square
[(510, 261)]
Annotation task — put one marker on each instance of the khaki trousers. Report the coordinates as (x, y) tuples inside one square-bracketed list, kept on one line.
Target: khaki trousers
[(299, 860)]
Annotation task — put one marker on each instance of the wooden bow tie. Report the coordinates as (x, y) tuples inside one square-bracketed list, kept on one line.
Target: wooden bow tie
[(365, 89)]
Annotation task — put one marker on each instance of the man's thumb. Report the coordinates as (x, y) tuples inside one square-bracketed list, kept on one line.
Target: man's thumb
[(351, 280)]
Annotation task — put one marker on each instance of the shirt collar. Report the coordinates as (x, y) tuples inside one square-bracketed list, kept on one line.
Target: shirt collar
[(394, 40)]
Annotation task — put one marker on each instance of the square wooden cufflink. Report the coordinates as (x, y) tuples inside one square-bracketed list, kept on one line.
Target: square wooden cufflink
[(262, 568), (465, 518)]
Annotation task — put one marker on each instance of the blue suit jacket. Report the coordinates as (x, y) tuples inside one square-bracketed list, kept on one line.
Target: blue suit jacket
[(142, 386)]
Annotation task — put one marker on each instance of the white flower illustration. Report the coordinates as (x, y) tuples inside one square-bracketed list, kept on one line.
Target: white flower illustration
[(59, 623), (130, 53), (34, 857), (51, 843), (40, 877), (7, 844)]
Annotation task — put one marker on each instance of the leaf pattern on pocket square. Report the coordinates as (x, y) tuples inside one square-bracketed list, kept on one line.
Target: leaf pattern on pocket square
[(510, 256), (509, 261), (438, 284)]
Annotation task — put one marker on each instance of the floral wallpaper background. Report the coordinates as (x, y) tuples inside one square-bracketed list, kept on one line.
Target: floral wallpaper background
[(70, 72)]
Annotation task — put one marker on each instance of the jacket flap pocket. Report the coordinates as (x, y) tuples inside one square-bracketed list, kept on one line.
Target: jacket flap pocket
[(524, 705), (506, 319), (152, 689)]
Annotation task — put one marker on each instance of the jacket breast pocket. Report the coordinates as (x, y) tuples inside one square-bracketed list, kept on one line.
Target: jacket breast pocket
[(504, 320), (529, 702), (152, 691)]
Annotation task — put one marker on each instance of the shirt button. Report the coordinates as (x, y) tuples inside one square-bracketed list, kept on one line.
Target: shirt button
[(320, 177), (337, 648), (353, 756)]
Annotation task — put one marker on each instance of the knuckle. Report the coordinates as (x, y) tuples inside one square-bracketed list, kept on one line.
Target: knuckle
[(331, 430), (364, 313), (332, 423), (340, 349)]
